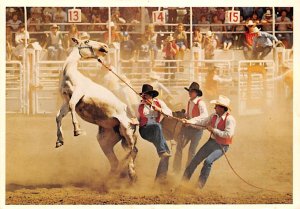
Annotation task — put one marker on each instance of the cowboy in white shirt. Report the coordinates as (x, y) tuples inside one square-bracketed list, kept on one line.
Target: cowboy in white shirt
[(221, 125), (150, 115), (195, 108)]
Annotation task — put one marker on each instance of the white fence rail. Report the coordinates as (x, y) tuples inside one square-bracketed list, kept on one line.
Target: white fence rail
[(33, 87)]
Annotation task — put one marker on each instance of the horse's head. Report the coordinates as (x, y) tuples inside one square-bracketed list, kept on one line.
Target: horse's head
[(91, 49)]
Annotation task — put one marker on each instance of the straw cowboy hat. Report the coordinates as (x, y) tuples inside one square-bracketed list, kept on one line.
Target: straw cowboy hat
[(148, 89), (222, 101), (268, 13), (195, 86), (256, 30), (209, 33), (154, 76), (54, 26), (84, 35), (170, 38)]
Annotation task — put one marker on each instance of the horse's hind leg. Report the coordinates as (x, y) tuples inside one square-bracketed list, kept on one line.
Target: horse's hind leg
[(127, 131), (61, 113), (76, 96), (107, 139)]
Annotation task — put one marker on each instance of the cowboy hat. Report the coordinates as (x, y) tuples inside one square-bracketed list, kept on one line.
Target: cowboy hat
[(54, 26), (268, 13), (250, 23), (148, 89), (195, 86), (256, 30), (222, 101), (84, 35), (154, 76), (209, 33), (170, 38)]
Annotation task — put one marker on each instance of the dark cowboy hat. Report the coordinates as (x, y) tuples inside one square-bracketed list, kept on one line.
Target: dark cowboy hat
[(148, 89), (195, 86)]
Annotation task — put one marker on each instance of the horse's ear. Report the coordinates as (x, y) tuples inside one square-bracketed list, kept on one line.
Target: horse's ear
[(75, 40)]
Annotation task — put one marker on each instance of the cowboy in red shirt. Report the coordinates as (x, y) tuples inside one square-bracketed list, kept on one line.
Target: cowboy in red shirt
[(249, 37), (195, 108), (221, 125), (150, 115)]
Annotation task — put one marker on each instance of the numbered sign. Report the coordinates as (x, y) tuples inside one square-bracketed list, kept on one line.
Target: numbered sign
[(159, 17), (232, 16), (74, 15)]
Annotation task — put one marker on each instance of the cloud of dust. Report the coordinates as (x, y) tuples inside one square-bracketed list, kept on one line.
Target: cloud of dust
[(262, 144)]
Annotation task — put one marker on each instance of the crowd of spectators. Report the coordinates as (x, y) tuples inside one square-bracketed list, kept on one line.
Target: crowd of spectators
[(43, 21)]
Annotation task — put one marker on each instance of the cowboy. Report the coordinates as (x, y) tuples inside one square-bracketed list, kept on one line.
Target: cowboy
[(195, 108), (262, 44), (150, 115), (54, 43), (248, 42), (221, 124), (20, 37)]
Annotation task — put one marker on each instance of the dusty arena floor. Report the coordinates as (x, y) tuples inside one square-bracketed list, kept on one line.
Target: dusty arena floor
[(37, 173)]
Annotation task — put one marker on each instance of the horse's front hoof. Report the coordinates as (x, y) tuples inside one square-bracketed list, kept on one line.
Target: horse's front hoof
[(79, 132), (59, 144)]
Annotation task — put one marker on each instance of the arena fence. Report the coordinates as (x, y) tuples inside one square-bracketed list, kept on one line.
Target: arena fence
[(32, 88)]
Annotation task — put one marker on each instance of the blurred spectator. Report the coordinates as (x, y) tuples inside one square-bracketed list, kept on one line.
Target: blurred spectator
[(33, 23), (127, 47), (37, 10), (247, 12), (127, 53), (221, 13), (49, 10), (136, 26), (9, 42), (151, 37), (181, 40), (97, 19), (20, 37), (262, 44), (227, 41), (203, 21), (10, 11), (255, 19), (217, 28), (283, 23), (103, 13), (267, 21), (60, 16), (118, 21), (172, 14), (86, 16), (209, 44), (248, 42), (115, 35), (73, 33), (259, 11), (144, 56), (54, 43), (197, 42), (14, 22), (170, 49), (47, 19), (239, 37)]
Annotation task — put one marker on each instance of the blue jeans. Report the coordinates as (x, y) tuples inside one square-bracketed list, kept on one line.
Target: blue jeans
[(210, 151), (153, 133), (188, 134)]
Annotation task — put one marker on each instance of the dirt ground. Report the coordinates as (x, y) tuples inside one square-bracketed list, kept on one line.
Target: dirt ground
[(77, 173)]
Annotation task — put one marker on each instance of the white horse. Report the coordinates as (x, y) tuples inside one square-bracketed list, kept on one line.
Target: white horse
[(97, 105)]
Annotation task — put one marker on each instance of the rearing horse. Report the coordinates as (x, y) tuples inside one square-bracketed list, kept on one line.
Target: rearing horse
[(95, 104)]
